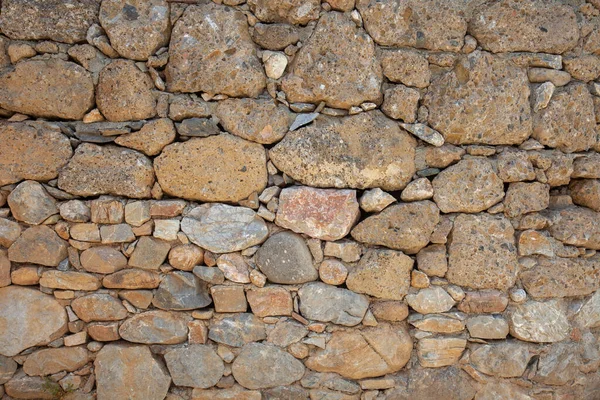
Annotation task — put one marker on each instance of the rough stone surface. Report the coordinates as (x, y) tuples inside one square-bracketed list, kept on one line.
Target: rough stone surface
[(181, 291), (233, 168), (430, 300), (539, 321), (362, 151), (292, 11), (151, 139), (577, 226), (197, 366), (98, 307), (155, 327), (237, 330), (38, 245), (586, 192), (102, 260), (50, 361), (285, 258), (506, 360), (30, 203), (327, 303), (440, 351)]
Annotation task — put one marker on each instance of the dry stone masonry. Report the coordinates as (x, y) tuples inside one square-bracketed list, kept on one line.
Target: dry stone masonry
[(300, 199)]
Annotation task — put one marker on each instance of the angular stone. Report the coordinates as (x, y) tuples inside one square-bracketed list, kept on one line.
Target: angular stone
[(539, 322), (51, 361), (482, 252), (124, 92), (69, 280), (202, 59), (509, 25), (132, 278), (98, 307), (568, 123), (262, 366), (156, 327), (432, 24), (485, 301), (515, 166), (406, 66), (85, 232), (186, 256), (428, 383), (233, 393), (440, 351), (75, 211), (487, 327), (287, 332), (337, 65), (295, 12), (506, 359), (419, 189), (471, 186), (31, 387), (38, 245), (560, 365), (326, 303), (260, 120), (232, 169), (589, 314), (275, 36), (119, 233), (586, 192), (587, 166), (149, 253), (220, 228), (181, 291), (270, 301), (483, 100), (285, 258), (29, 318), (234, 267), (106, 211), (102, 260), (136, 29), (31, 152), (132, 372), (151, 139), (339, 152), (96, 170), (430, 300), (382, 273), (425, 133), (229, 299), (364, 353), (196, 366), (576, 226), (47, 89), (138, 298), (562, 277), (30, 203), (401, 102), (237, 330), (326, 214), (375, 200), (5, 266), (405, 226), (432, 260)]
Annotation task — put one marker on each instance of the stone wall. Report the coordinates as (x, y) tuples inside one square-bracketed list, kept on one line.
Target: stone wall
[(296, 199)]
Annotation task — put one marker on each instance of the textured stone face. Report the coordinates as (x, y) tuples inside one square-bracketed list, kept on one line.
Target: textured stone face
[(181, 291), (98, 307), (506, 360), (30, 203), (484, 99), (539, 27), (337, 65), (156, 327), (285, 258), (539, 321), (362, 151), (327, 303), (482, 252), (290, 11), (577, 226), (196, 366), (233, 168), (47, 89), (38, 245), (136, 29), (237, 330), (95, 170), (211, 51), (51, 361), (151, 139)]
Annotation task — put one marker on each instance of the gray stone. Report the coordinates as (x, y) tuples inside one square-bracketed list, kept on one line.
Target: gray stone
[(539, 321), (303, 119), (285, 258), (30, 203), (237, 330), (424, 133), (7, 369), (197, 366), (156, 327), (326, 303), (181, 291)]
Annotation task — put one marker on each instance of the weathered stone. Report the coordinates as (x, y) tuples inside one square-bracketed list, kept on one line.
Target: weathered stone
[(364, 353), (437, 323), (149, 253), (507, 359), (559, 365), (337, 65), (440, 351), (539, 321), (586, 192), (232, 169), (196, 366), (430, 300), (7, 369), (106, 211), (542, 95), (9, 232), (151, 139), (515, 166), (404, 226), (125, 93), (270, 301), (132, 278), (485, 301), (401, 102), (69, 280), (285, 258), (483, 100), (237, 330), (432, 25), (48, 89), (29, 318), (118, 233), (587, 166), (229, 299), (327, 303), (509, 25), (375, 200), (482, 252), (51, 361), (156, 327), (568, 123), (541, 75), (31, 387), (333, 272), (275, 36), (75, 211), (31, 152), (233, 393), (95, 170), (406, 66), (292, 12), (425, 133), (202, 59), (469, 186), (38, 245), (132, 372), (361, 151), (432, 260), (589, 314), (326, 214), (260, 120), (186, 256), (136, 29), (181, 291), (261, 366), (487, 327), (220, 228), (102, 260), (382, 273), (5, 266), (234, 268), (419, 189), (576, 226), (287, 332), (428, 383), (30, 203), (138, 298), (562, 277), (98, 307)]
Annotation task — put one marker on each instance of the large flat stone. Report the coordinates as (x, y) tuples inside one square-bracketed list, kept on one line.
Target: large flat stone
[(327, 303), (38, 245), (156, 327), (541, 322), (195, 366)]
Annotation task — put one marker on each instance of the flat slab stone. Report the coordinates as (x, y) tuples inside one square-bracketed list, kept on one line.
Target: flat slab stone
[(505, 359), (224, 229), (51, 361), (576, 226), (237, 330), (328, 303), (156, 327), (540, 322), (196, 366), (98, 307)]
